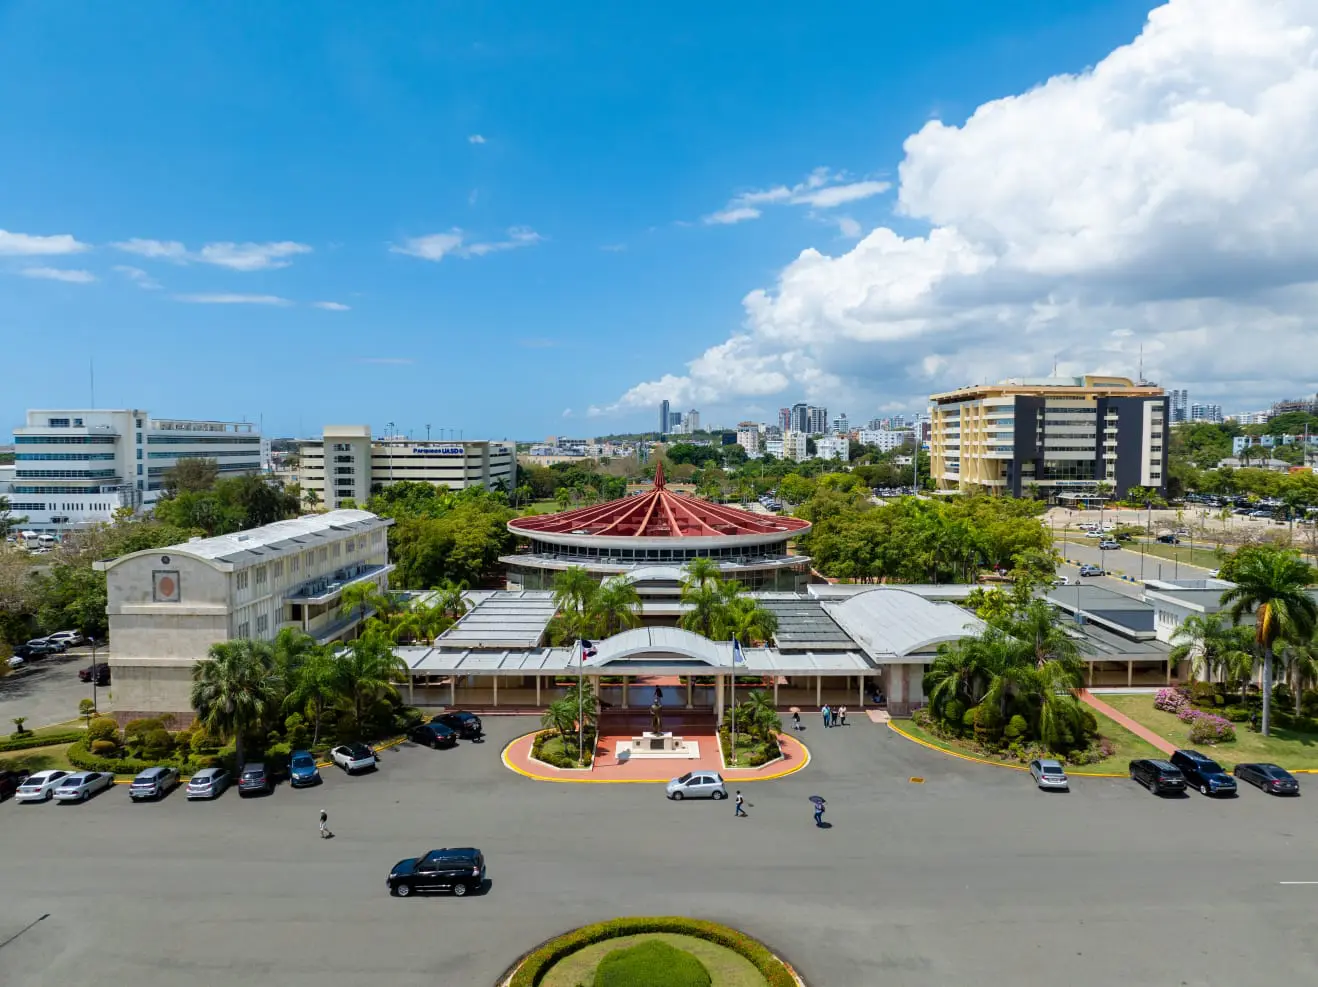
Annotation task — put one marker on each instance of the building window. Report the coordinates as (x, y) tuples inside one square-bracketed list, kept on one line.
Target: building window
[(262, 623), (261, 575), (139, 423), (57, 422), (276, 570), (323, 554), (244, 629), (293, 564), (241, 580)]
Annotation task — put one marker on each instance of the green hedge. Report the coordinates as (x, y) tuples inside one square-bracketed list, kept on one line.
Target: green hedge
[(29, 741), (651, 962), (536, 964), (80, 757), (561, 760)]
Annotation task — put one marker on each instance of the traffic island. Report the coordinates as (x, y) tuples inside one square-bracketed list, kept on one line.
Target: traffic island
[(664, 951)]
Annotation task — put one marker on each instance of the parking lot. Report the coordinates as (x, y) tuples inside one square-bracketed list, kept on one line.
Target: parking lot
[(46, 690), (970, 876)]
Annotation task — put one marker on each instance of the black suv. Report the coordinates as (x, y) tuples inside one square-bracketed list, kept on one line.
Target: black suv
[(255, 779), (9, 782), (100, 670), (1157, 776), (433, 734), (457, 870), (1205, 774), (465, 725)]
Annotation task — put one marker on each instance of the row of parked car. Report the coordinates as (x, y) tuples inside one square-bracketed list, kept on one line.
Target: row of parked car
[(40, 647), (1184, 769), (209, 783)]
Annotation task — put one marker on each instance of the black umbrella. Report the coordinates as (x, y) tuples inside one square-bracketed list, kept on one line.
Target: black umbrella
[(817, 799)]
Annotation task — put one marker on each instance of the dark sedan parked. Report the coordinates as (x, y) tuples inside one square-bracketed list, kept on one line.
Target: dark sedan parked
[(1157, 775), (1268, 777), (433, 735), (465, 725), (9, 782), (456, 870)]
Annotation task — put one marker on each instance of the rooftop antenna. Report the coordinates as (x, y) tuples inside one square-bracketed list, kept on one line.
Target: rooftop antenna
[(1054, 364), (1141, 379)]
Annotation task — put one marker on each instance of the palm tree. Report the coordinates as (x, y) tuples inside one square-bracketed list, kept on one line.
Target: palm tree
[(581, 695), (745, 619), (705, 609), (1036, 626), (560, 715), (1272, 585), (312, 499), (614, 607), (699, 572), (563, 498), (1301, 662), (314, 688), (409, 626), (574, 589), (365, 671), (361, 597), (757, 713), (449, 598), (1203, 640), (233, 689)]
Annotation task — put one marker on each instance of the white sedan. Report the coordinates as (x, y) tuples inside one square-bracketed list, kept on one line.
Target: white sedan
[(40, 786), (353, 757), (82, 786)]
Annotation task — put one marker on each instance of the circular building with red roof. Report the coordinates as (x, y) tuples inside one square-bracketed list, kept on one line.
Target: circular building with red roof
[(656, 531)]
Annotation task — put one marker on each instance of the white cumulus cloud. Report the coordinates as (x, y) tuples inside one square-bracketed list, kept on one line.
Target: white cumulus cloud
[(29, 245), (331, 306), (476, 139), (232, 299), (235, 256), (1166, 197), (138, 276), (59, 274)]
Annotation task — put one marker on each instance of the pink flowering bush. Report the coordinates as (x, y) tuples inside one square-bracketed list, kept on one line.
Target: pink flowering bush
[(1172, 700), (1206, 728)]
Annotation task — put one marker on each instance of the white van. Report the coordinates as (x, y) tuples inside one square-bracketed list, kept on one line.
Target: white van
[(47, 541)]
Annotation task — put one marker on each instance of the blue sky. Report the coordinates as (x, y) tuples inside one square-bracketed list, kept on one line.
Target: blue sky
[(505, 213)]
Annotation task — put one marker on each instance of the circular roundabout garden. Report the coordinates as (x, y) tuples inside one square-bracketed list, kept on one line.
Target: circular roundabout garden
[(652, 952)]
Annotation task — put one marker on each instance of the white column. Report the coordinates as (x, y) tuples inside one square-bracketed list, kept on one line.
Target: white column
[(452, 690), (819, 690), (775, 690), (860, 703), (1130, 673), (624, 692), (537, 690), (496, 689), (690, 679), (718, 699)]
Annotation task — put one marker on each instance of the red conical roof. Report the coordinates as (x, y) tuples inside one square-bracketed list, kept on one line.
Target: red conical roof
[(660, 513)]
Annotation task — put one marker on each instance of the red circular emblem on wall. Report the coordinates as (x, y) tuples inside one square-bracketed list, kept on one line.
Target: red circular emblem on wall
[(167, 587)]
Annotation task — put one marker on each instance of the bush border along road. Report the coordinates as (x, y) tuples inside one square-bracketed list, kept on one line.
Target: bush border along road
[(531, 969)]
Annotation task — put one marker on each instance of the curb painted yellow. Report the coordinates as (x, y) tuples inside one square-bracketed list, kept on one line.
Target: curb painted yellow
[(997, 764), (507, 763)]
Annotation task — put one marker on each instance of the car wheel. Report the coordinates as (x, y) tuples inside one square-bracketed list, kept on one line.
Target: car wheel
[(677, 796), (1203, 789), (719, 796), (402, 890), (459, 890)]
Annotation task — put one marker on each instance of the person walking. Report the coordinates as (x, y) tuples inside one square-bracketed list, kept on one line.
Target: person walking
[(842, 716), (819, 813), (796, 720), (741, 811), (325, 833), (824, 713)]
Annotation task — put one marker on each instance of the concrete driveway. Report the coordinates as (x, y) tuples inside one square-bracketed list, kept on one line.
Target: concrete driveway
[(912, 884), (47, 690)]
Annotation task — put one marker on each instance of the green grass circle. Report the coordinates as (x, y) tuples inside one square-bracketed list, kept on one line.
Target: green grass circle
[(651, 963)]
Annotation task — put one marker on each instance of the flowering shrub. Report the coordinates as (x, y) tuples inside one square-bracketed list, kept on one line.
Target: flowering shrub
[(1209, 729), (1171, 700), (1189, 714)]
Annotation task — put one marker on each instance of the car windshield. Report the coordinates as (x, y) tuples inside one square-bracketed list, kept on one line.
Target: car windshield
[(1210, 767), (685, 778), (304, 761)]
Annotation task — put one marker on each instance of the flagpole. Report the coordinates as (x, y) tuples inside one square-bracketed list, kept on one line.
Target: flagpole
[(581, 703), (734, 701)]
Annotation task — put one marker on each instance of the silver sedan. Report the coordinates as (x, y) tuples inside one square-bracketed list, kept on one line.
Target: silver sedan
[(82, 786), (1048, 773)]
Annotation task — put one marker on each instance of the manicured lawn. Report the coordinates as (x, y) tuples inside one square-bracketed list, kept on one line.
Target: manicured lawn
[(1201, 556), (37, 759), (726, 968), (570, 747), (1128, 746), (744, 746), (1289, 748)]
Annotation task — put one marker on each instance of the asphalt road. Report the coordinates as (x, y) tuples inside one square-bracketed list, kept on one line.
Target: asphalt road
[(971, 877), (1128, 561), (47, 690)]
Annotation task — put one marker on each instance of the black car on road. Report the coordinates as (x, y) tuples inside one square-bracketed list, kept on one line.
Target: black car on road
[(1203, 773), (100, 670), (465, 725), (433, 734), (9, 782), (457, 870), (1268, 777), (1157, 775)]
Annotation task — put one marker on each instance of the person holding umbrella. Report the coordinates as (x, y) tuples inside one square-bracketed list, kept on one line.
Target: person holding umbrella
[(819, 809)]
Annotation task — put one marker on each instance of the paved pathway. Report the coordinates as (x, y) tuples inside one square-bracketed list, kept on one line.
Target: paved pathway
[(1143, 732)]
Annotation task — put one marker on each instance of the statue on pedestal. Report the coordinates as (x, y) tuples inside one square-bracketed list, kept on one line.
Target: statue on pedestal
[(656, 719)]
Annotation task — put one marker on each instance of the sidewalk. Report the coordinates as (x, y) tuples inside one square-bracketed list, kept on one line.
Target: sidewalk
[(1144, 733)]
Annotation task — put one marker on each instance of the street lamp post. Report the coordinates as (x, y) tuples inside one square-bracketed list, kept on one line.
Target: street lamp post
[(95, 675)]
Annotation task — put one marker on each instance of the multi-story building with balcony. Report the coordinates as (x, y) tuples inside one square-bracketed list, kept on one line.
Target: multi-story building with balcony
[(347, 464), (1068, 438), (75, 468), (167, 606)]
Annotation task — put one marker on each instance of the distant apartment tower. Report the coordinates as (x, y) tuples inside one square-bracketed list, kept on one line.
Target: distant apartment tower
[(884, 439), (1307, 405), (347, 464), (800, 418), (663, 417), (1206, 413), (840, 424), (74, 468), (1064, 436), (1180, 406), (816, 420), (784, 419), (834, 447), (692, 421), (748, 437), (795, 446)]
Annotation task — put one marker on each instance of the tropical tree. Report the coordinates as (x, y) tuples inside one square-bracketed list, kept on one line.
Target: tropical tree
[(699, 572), (705, 608), (361, 597), (366, 671), (449, 598), (743, 618), (1036, 625), (613, 607), (233, 689), (1204, 640), (756, 714), (560, 715), (581, 695), (1300, 659), (410, 626), (563, 498), (315, 689), (574, 589), (1272, 584)]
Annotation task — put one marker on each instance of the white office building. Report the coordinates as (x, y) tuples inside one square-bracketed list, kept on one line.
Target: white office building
[(841, 424), (795, 446), (167, 606), (75, 468), (348, 464), (748, 437), (884, 439), (834, 447)]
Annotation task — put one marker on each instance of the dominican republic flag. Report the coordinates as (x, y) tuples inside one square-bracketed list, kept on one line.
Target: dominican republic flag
[(587, 649), (737, 657)]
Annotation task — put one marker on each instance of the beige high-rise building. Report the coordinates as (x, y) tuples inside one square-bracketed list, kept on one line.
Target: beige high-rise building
[(1066, 437), (348, 464)]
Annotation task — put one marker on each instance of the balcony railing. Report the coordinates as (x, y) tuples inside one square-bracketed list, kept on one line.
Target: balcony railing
[(325, 588)]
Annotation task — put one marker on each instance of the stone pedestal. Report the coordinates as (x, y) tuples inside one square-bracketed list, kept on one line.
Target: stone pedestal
[(657, 745)]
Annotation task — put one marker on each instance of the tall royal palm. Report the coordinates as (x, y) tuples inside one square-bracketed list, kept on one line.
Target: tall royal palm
[(1272, 585), (234, 689), (699, 574)]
